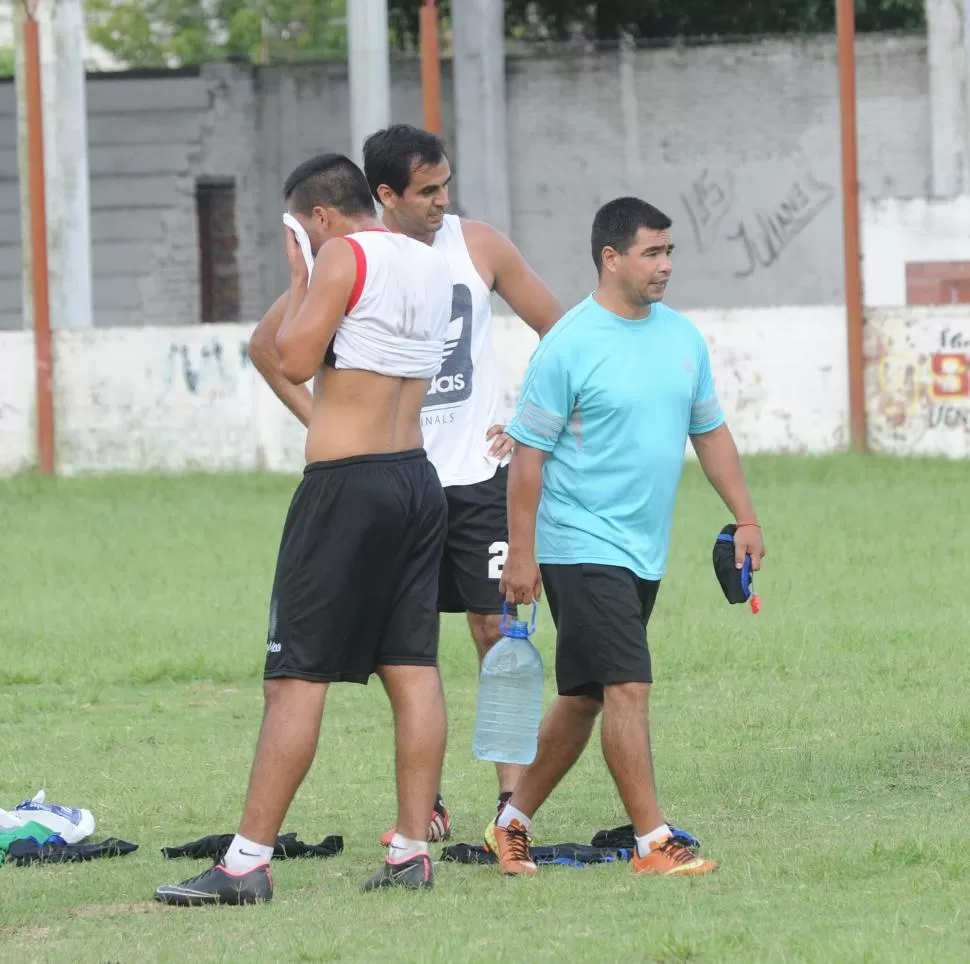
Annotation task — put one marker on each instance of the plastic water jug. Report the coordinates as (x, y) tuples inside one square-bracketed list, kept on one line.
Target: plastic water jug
[(509, 696)]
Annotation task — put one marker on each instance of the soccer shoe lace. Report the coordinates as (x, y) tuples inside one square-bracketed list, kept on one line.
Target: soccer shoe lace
[(517, 841), (675, 851)]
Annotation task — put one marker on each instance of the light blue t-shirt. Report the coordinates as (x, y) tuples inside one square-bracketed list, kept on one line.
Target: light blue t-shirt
[(612, 401)]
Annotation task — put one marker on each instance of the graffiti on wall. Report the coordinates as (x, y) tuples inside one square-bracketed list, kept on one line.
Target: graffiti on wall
[(759, 233), (208, 371), (708, 200), (917, 392)]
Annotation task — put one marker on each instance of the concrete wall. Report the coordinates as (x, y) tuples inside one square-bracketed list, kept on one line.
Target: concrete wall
[(303, 111), (150, 139), (153, 398), (739, 144), (897, 232)]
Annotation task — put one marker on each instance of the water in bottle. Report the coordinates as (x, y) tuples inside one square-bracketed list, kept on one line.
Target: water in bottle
[(509, 696)]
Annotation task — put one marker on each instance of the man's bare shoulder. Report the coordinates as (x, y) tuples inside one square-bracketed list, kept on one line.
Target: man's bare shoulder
[(492, 252), (481, 235)]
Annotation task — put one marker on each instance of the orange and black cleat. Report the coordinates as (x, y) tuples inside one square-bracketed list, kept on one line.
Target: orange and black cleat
[(511, 845), (670, 858)]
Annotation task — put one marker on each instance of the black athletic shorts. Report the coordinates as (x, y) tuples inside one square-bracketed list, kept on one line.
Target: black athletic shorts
[(357, 575), (476, 547), (601, 615)]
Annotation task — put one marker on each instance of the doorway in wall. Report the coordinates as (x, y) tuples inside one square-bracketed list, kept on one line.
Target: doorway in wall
[(215, 203)]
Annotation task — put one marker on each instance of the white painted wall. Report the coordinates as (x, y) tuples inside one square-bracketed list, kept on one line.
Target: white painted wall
[(181, 398), (17, 442), (897, 230)]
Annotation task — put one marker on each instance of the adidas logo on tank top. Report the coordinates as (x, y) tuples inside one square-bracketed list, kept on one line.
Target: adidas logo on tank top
[(463, 399)]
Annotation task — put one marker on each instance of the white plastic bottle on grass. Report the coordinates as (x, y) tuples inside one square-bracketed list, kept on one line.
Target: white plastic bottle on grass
[(509, 696)]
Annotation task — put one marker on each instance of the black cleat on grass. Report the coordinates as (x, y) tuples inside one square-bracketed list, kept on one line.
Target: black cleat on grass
[(413, 874), (217, 886)]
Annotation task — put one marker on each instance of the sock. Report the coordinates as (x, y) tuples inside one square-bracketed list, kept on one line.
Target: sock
[(243, 855), (509, 814), (402, 849), (503, 799), (655, 836), (439, 803)]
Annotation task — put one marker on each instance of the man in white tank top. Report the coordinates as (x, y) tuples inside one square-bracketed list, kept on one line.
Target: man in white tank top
[(409, 174), (355, 590)]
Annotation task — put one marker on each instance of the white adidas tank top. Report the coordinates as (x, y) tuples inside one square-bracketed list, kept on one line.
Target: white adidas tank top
[(463, 399), (399, 310)]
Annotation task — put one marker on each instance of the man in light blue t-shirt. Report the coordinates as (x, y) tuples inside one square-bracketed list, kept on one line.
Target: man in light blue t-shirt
[(611, 396)]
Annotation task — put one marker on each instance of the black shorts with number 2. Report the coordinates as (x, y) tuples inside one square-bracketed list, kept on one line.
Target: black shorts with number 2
[(476, 547)]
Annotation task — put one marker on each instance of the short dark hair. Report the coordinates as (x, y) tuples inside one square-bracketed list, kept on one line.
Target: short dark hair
[(392, 153), (617, 222), (329, 180)]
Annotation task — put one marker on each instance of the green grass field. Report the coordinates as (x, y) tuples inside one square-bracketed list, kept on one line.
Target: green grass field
[(821, 751)]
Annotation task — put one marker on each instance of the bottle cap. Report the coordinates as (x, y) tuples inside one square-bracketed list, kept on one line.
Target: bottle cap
[(516, 628)]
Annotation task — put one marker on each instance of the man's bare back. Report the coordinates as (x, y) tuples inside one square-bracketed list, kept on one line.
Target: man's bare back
[(361, 413)]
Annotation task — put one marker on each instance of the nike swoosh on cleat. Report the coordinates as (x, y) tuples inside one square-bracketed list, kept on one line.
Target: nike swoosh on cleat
[(184, 892)]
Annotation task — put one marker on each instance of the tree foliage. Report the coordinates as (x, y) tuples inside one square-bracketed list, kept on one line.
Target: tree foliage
[(6, 62), (608, 20), (665, 19), (146, 33), (153, 33)]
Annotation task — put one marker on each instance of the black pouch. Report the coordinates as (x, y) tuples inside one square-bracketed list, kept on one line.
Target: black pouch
[(737, 584)]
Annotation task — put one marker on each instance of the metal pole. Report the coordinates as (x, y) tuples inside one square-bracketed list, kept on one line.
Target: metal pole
[(369, 71), (38, 237), (430, 67), (845, 33)]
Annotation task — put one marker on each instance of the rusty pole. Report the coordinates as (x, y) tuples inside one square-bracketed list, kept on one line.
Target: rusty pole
[(845, 34), (38, 237), (430, 67)]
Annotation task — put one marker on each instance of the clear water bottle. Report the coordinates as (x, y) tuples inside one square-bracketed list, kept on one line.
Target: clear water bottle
[(509, 696)]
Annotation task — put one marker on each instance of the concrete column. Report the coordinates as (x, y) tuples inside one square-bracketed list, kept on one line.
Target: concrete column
[(369, 71), (65, 166), (630, 106), (23, 167), (481, 133), (948, 38)]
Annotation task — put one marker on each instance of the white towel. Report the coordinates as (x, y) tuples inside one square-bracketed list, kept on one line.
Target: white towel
[(304, 240), (302, 237)]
